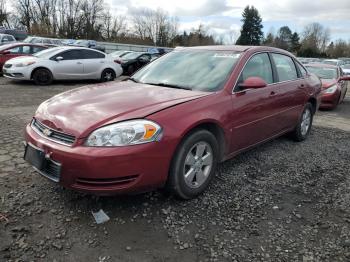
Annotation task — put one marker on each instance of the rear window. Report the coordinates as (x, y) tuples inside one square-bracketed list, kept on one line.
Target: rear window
[(324, 72), (89, 54), (285, 67)]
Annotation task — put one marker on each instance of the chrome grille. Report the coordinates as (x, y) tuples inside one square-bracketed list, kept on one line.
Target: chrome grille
[(52, 134)]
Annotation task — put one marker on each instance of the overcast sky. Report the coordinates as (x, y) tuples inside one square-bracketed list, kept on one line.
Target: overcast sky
[(223, 16)]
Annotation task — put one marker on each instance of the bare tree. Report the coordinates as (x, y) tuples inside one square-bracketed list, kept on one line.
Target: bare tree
[(316, 37)]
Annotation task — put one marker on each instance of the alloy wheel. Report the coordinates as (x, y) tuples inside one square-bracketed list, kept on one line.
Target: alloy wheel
[(198, 164), (305, 122)]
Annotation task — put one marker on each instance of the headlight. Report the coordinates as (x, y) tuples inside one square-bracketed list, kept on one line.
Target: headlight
[(24, 64), (126, 133), (331, 89)]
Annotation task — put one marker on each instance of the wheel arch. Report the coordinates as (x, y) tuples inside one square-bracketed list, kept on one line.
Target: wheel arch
[(213, 127), (313, 102), (40, 67)]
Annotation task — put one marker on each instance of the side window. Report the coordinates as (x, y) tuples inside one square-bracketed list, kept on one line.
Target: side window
[(37, 49), (302, 70), (26, 49), (71, 55), (259, 65), (89, 54), (285, 67)]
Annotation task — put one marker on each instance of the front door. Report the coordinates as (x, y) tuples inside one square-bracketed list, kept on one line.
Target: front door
[(70, 67), (254, 113)]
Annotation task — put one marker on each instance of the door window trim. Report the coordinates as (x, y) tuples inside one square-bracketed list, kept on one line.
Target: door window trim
[(273, 68)]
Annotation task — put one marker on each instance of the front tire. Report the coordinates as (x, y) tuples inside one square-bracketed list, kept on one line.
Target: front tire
[(193, 165), (304, 125), (42, 77), (107, 75)]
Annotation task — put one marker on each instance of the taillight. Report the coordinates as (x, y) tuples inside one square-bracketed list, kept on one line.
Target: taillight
[(117, 61)]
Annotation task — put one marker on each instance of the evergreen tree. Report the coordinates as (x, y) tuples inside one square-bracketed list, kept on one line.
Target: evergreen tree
[(295, 43), (269, 40), (251, 32), (284, 38)]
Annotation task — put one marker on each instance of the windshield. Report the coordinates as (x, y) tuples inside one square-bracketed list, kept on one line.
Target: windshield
[(81, 42), (47, 53), (324, 72), (192, 69), (347, 66), (330, 62), (132, 55), (28, 40), (4, 47)]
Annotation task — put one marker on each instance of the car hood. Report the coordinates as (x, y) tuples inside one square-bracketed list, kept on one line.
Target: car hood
[(21, 59), (80, 111), (328, 83)]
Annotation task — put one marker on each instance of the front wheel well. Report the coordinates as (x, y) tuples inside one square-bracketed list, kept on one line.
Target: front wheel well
[(313, 102), (217, 131), (36, 69)]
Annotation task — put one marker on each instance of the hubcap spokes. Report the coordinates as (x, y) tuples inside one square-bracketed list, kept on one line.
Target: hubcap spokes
[(198, 164), (108, 76), (305, 122)]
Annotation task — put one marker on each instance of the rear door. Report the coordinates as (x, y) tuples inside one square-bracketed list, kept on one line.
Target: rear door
[(70, 67), (290, 92), (253, 114), (93, 63)]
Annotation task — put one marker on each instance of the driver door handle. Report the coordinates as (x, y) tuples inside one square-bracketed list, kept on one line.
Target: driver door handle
[(272, 93), (79, 63)]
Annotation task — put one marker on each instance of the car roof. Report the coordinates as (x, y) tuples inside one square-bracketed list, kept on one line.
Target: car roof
[(322, 65), (235, 48)]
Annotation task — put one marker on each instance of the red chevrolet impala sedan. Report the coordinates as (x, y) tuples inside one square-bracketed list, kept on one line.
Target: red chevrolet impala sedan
[(334, 84), (173, 121)]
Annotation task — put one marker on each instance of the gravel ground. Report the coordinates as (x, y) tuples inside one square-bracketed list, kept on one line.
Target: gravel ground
[(283, 201)]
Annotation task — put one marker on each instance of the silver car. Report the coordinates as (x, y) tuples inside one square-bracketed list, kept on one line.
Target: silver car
[(63, 63), (6, 39)]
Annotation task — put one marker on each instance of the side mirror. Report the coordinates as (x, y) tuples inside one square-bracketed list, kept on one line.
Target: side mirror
[(253, 82), (344, 78), (59, 58)]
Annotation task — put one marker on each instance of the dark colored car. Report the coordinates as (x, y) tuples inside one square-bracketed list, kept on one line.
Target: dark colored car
[(18, 49), (173, 121), (132, 62), (333, 84), (89, 44), (18, 34)]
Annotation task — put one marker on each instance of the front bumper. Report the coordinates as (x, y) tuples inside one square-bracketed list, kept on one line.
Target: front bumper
[(329, 101), (19, 73), (103, 170)]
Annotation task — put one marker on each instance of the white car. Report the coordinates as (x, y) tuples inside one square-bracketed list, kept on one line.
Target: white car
[(336, 62), (63, 63), (346, 69)]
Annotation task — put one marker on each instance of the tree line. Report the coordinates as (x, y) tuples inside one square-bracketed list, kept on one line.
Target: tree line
[(86, 19), (313, 41)]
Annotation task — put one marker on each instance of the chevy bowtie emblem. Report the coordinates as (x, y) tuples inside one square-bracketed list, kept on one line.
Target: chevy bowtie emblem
[(47, 132)]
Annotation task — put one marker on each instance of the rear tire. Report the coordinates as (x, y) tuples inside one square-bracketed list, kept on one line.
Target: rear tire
[(304, 125), (107, 75), (193, 165), (42, 77)]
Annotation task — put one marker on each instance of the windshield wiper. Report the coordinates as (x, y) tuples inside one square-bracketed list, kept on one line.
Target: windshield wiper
[(169, 85)]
